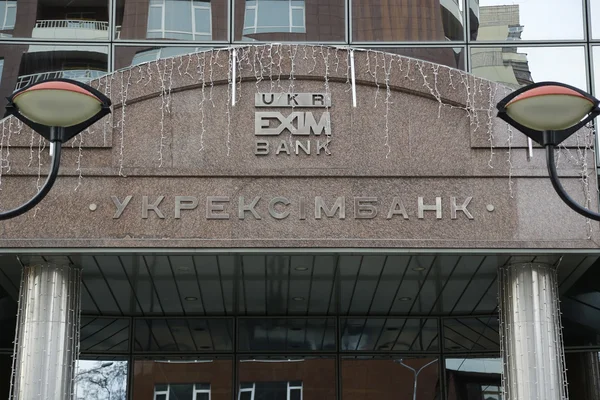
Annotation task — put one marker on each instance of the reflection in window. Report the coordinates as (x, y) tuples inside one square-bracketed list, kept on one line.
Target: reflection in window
[(180, 19), (192, 391), (271, 391), (163, 52), (8, 14), (263, 16), (474, 378), (101, 380)]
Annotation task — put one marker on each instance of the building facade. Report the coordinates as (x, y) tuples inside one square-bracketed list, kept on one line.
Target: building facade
[(299, 199)]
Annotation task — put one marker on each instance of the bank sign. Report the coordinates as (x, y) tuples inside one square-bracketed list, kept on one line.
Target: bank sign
[(299, 130)]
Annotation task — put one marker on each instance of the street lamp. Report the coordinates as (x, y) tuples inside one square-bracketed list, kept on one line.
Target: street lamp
[(57, 109), (548, 113)]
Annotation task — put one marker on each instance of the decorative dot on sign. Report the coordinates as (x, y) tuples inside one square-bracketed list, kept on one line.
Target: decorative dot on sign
[(418, 269), (191, 298), (301, 268), (298, 299), (93, 207), (490, 207), (405, 298)]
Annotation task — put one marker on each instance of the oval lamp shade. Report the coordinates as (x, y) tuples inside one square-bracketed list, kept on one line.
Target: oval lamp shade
[(60, 104), (549, 108)]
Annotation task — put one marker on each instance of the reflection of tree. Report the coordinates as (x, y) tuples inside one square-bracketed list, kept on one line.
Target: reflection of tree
[(102, 381)]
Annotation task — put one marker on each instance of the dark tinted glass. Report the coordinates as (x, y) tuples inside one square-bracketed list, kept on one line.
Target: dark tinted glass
[(472, 334), (257, 334), (453, 57), (181, 374), (48, 19), (583, 375), (509, 20), (391, 378), (5, 375), (290, 20), (407, 20), (474, 378), (190, 20), (101, 379)]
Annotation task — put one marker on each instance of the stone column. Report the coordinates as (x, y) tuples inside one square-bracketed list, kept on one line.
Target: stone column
[(47, 337), (531, 333)]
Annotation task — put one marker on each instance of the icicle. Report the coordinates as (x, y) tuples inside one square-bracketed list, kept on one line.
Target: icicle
[(31, 148), (388, 95), (187, 67), (234, 63), (141, 73), (79, 155), (201, 69), (271, 63), (228, 112), (2, 148), (121, 123), (149, 70), (407, 75), (490, 120), (434, 92), (327, 95), (169, 98), (293, 50), (41, 148), (353, 78), (107, 128), (212, 83), (163, 91), (509, 153), (258, 64), (450, 78)]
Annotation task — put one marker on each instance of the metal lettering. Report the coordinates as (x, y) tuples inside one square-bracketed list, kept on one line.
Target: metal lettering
[(339, 205), (261, 123), (323, 146), (289, 100), (154, 207), (262, 148), (437, 208), (363, 207), (396, 208), (299, 146), (273, 211), (463, 208), (283, 146), (310, 124), (120, 206), (212, 207), (184, 203), (302, 208), (242, 208)]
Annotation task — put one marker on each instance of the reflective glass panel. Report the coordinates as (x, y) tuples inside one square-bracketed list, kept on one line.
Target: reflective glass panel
[(5, 375), (182, 378), (27, 64), (407, 20), (126, 56), (519, 66), (48, 19), (287, 378), (509, 20), (183, 335), (8, 317), (595, 18), (583, 375), (389, 334), (453, 57), (472, 334), (191, 20), (390, 378), (290, 20), (289, 334), (104, 334), (101, 379), (474, 378)]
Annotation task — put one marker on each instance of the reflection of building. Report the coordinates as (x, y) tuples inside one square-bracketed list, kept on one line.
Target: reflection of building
[(500, 64)]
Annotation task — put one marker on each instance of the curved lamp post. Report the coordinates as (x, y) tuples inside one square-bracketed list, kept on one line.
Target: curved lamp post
[(57, 109), (548, 113)]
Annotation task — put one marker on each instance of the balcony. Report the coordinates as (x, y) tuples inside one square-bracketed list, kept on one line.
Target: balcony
[(81, 75), (70, 29)]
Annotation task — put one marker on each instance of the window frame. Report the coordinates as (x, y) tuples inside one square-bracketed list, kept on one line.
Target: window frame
[(252, 390), (195, 390), (194, 6), (7, 5), (253, 29)]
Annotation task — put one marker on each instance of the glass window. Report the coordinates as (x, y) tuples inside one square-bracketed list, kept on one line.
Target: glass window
[(501, 20), (472, 334), (127, 56), (583, 375), (290, 20), (182, 378), (391, 377), (407, 20), (477, 378), (192, 20), (519, 66), (285, 378), (80, 20), (5, 375), (101, 380), (453, 57)]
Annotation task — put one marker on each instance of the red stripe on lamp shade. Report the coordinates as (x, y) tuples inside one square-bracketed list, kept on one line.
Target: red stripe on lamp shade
[(59, 85), (547, 91)]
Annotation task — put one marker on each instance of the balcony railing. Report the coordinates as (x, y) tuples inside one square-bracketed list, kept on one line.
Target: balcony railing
[(72, 23), (81, 75)]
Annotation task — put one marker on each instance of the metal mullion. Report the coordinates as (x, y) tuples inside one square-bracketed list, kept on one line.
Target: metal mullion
[(408, 44), (442, 358), (528, 43), (277, 316), (348, 24)]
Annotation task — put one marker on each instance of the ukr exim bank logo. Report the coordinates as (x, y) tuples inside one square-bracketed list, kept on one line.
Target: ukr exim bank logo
[(308, 132)]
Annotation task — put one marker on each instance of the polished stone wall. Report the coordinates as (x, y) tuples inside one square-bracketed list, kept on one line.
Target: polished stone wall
[(420, 133)]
